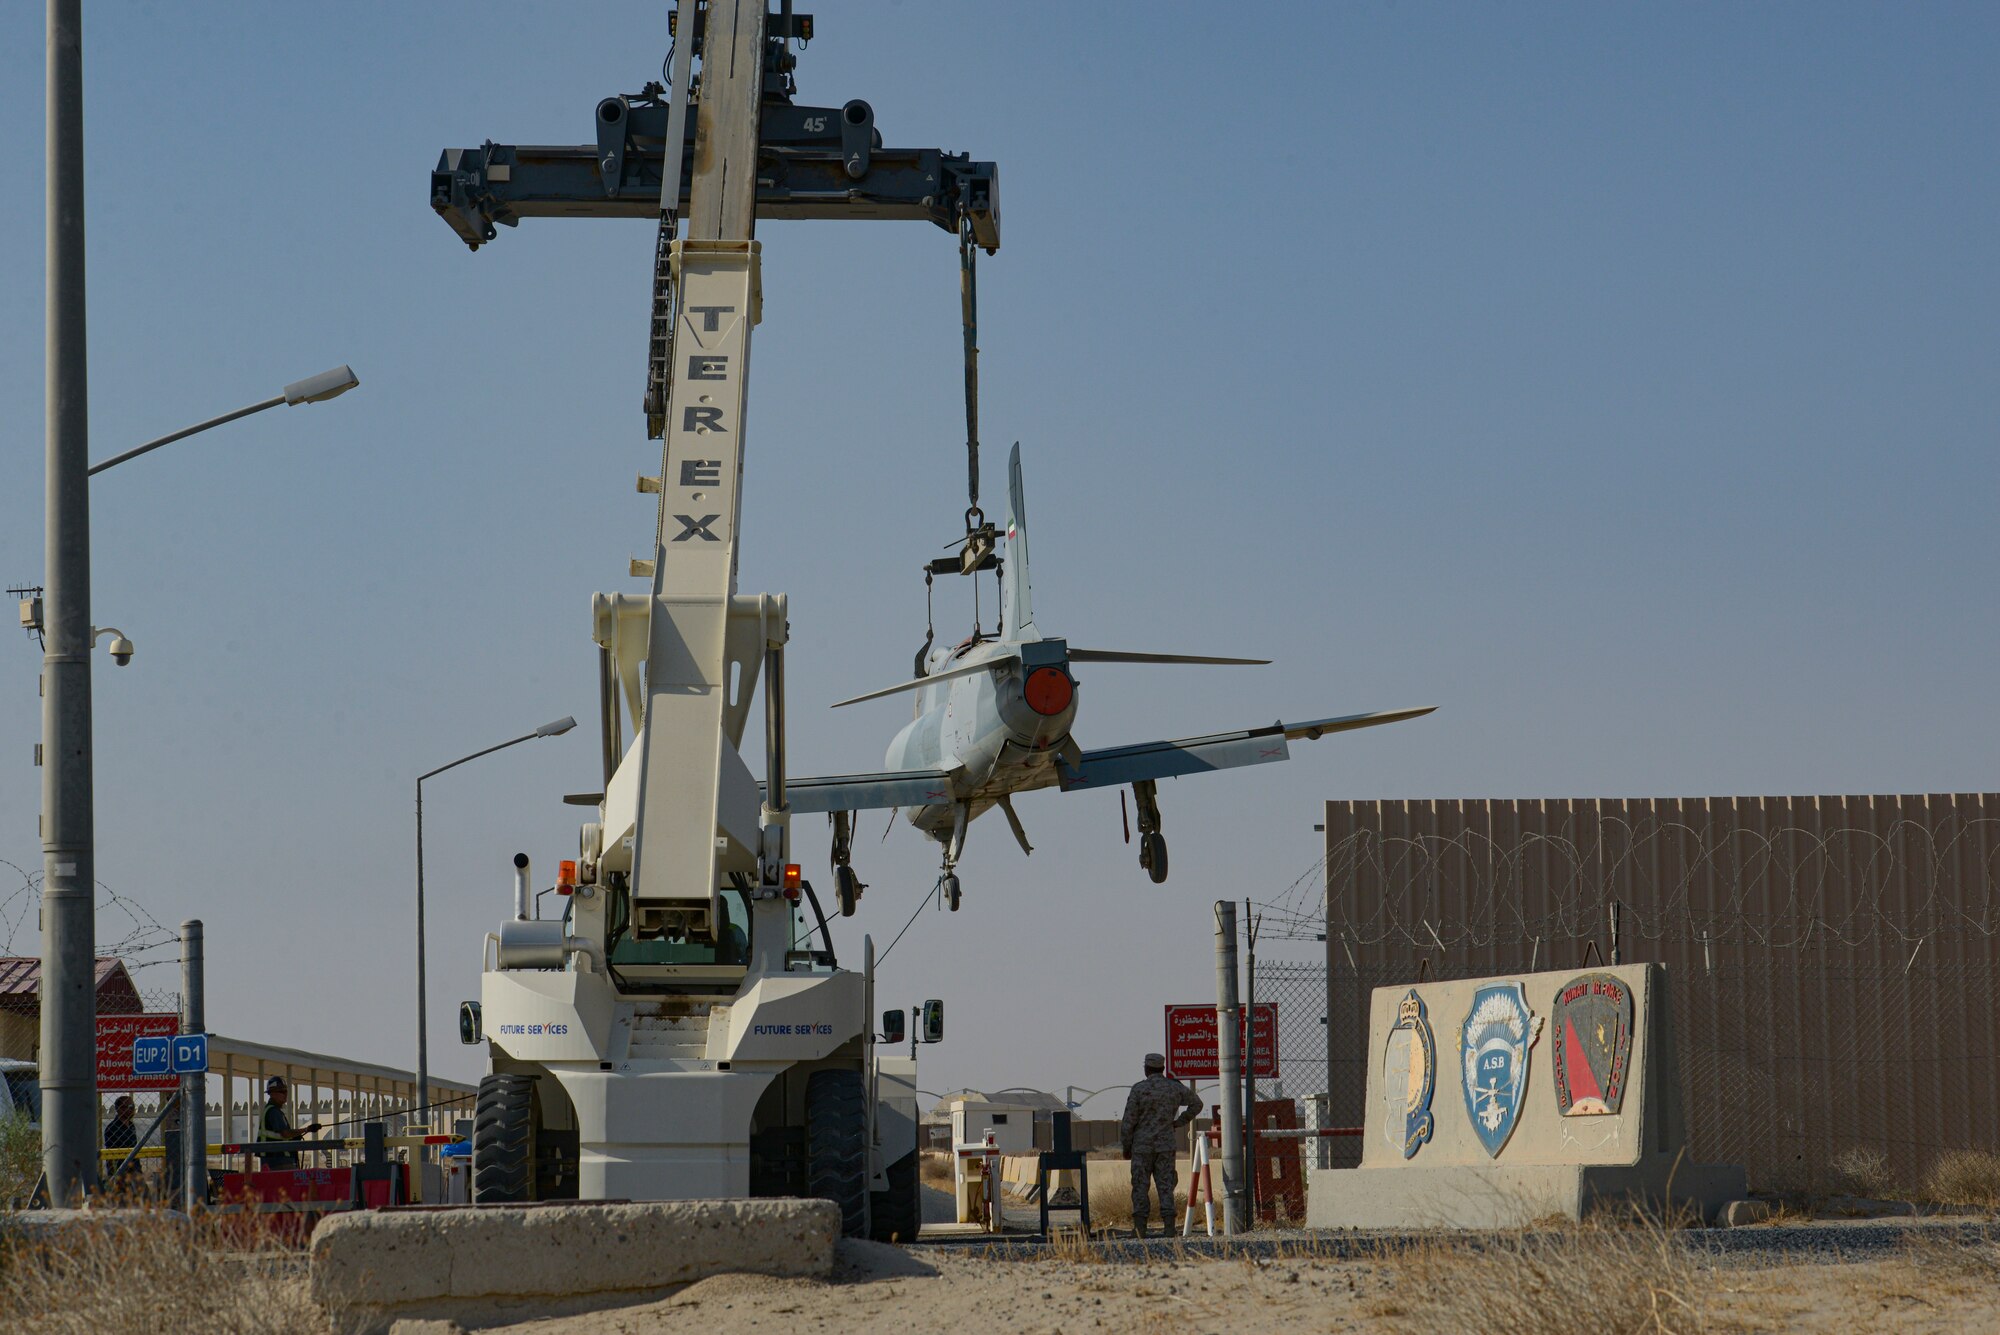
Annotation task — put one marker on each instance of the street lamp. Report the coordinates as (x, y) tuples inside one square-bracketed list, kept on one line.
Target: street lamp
[(313, 389), (1070, 1093), (69, 836), (555, 729)]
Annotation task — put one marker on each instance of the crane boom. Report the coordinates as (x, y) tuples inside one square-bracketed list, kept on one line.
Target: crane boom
[(699, 817)]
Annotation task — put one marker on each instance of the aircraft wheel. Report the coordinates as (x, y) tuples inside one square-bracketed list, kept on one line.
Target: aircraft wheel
[(503, 1139), (1153, 856), (951, 891), (848, 887)]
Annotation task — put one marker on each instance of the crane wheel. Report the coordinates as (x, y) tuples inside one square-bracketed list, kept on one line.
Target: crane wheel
[(837, 1145), (503, 1140), (896, 1214)]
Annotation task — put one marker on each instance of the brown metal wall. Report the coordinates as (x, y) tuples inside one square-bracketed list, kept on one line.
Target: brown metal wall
[(1832, 959)]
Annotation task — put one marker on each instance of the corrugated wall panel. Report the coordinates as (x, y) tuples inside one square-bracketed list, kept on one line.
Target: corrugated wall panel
[(1834, 957)]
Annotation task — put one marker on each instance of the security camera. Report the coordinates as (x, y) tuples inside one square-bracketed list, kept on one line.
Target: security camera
[(121, 648)]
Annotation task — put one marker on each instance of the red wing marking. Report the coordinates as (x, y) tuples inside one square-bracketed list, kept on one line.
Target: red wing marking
[(1273, 751)]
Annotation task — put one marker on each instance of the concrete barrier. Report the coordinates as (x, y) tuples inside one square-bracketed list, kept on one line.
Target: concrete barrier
[(58, 1227), (499, 1263), (1528, 1124)]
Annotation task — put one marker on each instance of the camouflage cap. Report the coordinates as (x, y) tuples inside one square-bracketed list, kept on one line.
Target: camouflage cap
[(1156, 1061)]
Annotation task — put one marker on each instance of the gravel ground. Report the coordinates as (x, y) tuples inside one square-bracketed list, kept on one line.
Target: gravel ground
[(1819, 1240)]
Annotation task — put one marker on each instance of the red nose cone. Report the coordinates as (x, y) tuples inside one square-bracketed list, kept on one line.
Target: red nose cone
[(1048, 690)]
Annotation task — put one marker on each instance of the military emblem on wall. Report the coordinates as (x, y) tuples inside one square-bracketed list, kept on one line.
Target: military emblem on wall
[(1493, 1044), (1409, 1075), (1593, 1045)]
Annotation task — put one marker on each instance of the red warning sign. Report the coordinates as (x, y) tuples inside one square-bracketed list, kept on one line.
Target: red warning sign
[(1191, 1042), (114, 1050)]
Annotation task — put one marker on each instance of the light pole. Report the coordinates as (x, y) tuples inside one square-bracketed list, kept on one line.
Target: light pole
[(69, 926), (556, 729), (68, 985), (1070, 1093), (69, 874)]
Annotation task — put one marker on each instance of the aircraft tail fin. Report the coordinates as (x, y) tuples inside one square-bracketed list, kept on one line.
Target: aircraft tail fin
[(1015, 601)]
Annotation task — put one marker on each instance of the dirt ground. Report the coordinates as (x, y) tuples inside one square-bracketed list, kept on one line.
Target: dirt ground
[(878, 1288)]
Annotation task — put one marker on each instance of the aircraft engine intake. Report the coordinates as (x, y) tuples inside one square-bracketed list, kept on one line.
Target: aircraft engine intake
[(1048, 691)]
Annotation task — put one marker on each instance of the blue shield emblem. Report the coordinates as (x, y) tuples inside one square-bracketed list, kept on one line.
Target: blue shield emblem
[(1493, 1046), (1409, 1074)]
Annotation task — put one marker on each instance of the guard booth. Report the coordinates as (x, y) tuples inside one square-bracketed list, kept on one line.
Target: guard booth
[(1012, 1124)]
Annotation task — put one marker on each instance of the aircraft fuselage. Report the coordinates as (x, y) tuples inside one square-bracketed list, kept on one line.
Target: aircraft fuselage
[(984, 729)]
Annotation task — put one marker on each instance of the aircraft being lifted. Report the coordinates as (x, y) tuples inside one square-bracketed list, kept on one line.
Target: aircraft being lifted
[(994, 717)]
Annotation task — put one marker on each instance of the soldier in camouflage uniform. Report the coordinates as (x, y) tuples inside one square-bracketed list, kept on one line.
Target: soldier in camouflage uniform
[(1146, 1133)]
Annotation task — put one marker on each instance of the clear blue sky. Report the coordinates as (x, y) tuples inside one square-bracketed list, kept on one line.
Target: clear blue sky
[(1619, 380)]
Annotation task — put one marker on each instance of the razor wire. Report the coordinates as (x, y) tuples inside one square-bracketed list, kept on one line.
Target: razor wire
[(1717, 885), (137, 938), (142, 933)]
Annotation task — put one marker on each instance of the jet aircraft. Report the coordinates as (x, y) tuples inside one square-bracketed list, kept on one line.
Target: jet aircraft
[(994, 717)]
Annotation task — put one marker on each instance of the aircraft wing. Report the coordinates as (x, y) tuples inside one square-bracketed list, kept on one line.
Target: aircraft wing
[(867, 792), (1120, 765)]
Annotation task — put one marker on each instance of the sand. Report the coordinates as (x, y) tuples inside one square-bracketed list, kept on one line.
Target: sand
[(886, 1289)]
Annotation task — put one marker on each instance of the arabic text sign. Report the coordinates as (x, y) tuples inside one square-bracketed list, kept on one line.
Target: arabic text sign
[(115, 1035), (1191, 1042)]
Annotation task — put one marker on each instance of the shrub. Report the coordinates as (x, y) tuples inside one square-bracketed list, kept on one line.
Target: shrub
[(151, 1273), (1863, 1172), (1964, 1177), (20, 1157), (1631, 1274)]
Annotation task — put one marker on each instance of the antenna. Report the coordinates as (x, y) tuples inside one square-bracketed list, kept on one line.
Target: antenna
[(30, 596)]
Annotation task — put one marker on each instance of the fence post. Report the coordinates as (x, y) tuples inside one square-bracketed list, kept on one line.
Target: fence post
[(194, 1088), (1326, 1018), (1229, 1066)]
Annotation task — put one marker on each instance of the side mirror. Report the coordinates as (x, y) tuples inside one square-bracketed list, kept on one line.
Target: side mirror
[(892, 1027), (471, 1024), (933, 1021)]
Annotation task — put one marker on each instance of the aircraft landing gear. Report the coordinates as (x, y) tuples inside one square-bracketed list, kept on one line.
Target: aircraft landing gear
[(1152, 844), (948, 882), (847, 886)]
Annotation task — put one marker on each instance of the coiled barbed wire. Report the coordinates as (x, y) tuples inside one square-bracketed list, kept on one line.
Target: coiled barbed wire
[(1775, 887)]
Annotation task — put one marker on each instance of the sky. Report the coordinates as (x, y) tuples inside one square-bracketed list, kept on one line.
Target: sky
[(1618, 380)]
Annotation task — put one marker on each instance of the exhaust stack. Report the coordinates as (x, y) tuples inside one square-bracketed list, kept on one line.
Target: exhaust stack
[(523, 897)]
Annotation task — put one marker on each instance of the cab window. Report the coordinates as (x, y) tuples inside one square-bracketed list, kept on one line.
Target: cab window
[(731, 946)]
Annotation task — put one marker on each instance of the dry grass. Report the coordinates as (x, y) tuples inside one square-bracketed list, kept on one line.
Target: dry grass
[(1864, 1172), (1964, 1177), (1630, 1275), (152, 1274)]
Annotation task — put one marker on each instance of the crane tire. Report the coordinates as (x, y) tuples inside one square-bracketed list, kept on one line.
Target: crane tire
[(837, 1145), (896, 1214), (503, 1140)]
